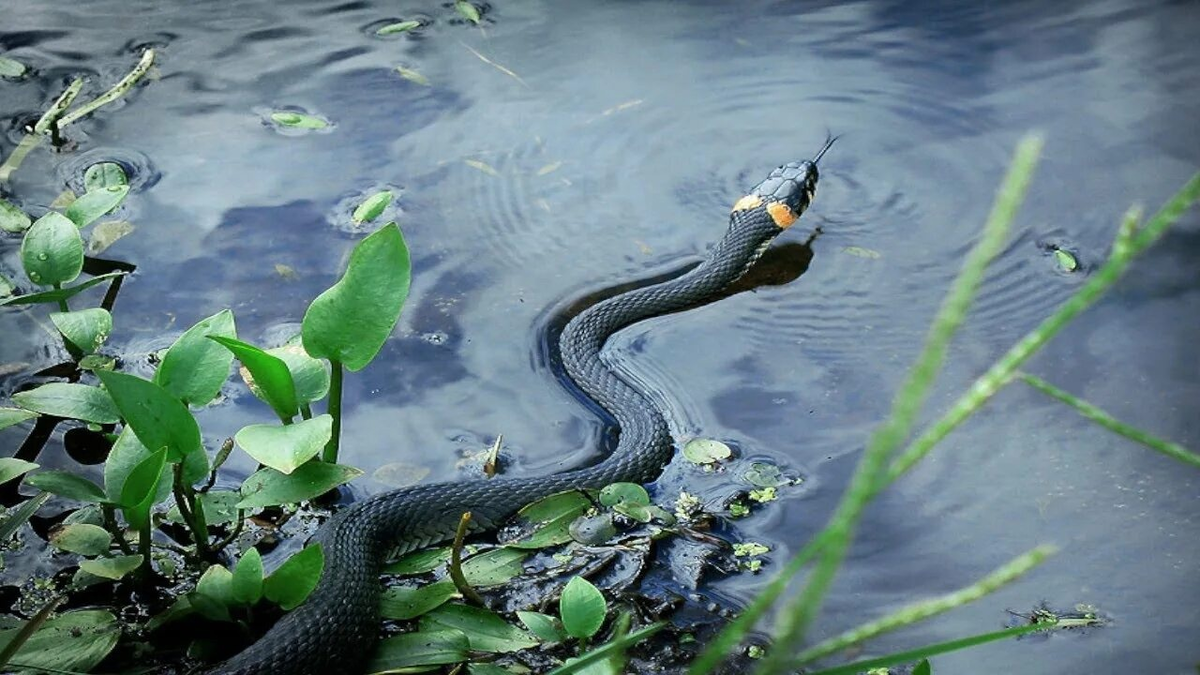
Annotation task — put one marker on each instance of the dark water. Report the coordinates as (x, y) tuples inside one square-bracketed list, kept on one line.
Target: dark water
[(616, 154)]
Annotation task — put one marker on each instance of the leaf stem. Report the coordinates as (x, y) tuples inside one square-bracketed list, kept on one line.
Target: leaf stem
[(117, 91), (334, 409), (456, 573)]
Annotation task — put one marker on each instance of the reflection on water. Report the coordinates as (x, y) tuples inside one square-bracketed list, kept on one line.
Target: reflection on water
[(613, 155)]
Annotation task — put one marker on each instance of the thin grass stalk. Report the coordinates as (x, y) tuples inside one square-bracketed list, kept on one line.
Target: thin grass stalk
[(911, 655), (607, 650), (920, 611), (1095, 414), (905, 407), (117, 91)]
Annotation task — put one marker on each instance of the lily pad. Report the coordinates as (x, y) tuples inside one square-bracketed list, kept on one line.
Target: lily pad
[(706, 451)]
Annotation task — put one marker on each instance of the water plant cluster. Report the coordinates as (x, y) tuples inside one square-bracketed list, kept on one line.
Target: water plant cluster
[(158, 527)]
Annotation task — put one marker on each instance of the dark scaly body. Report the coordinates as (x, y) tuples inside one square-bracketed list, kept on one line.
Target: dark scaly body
[(334, 630)]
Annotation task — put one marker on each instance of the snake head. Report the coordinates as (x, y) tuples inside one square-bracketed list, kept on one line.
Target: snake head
[(788, 190)]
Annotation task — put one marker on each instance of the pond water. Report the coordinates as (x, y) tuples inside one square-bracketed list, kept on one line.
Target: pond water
[(564, 148)]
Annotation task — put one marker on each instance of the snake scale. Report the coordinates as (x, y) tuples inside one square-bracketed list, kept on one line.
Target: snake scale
[(334, 631)]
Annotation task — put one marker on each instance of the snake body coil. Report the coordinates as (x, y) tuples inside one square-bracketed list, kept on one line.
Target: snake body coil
[(334, 630)]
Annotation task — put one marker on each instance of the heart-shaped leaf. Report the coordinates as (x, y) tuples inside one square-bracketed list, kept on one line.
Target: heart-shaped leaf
[(194, 368), (285, 448)]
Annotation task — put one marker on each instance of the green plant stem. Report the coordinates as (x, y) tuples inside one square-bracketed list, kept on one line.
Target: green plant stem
[(923, 610), (117, 91), (34, 138), (28, 629), (192, 511), (110, 523), (334, 409), (237, 529), (62, 302), (907, 403), (305, 411), (222, 455), (456, 574), (897, 658), (145, 570), (606, 650), (1172, 450)]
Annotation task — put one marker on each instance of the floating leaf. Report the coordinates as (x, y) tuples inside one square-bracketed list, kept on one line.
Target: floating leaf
[(495, 567), (861, 252), (764, 495), (486, 168), (400, 474), (193, 369), (372, 207), (409, 602), (467, 11), (582, 608), (60, 293), (111, 568), (419, 562), (706, 451), (87, 329), (13, 219), (297, 120), (750, 548), (73, 641), (268, 487), (104, 175), (624, 493), (544, 626), (350, 322), (159, 419), (1066, 260), (296, 578), (270, 379), (11, 416), (411, 652), (11, 67), (286, 447), (106, 234), (95, 203), (398, 27), (73, 401), (52, 250), (11, 467), (486, 631), (81, 538), (547, 521), (412, 76), (246, 586), (65, 484), (762, 474)]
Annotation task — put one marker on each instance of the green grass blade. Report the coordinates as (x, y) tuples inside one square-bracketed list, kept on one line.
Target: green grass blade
[(897, 658), (608, 649), (28, 629), (20, 515), (1172, 450)]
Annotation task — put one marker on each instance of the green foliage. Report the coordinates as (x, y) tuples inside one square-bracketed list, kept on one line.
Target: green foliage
[(286, 448), (272, 381), (73, 401), (548, 521), (52, 251), (114, 568), (706, 451), (372, 207), (288, 118), (95, 203), (66, 484), (296, 578), (246, 586), (193, 369), (13, 219), (416, 650), (398, 27), (86, 329), (158, 419), (582, 608), (73, 641), (410, 602), (11, 467), (486, 631), (60, 294), (81, 538), (545, 627), (104, 175), (141, 488), (269, 487)]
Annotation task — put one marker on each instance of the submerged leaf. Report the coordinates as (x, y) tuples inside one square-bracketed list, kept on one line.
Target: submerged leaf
[(467, 11), (412, 76), (106, 234), (11, 67)]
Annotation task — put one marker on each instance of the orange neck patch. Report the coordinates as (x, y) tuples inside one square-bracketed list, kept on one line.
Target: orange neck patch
[(748, 202), (781, 214)]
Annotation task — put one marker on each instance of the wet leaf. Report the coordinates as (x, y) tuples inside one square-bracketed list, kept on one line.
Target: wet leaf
[(81, 538), (582, 608), (398, 27), (413, 76), (60, 293), (13, 219), (143, 487), (309, 376), (220, 507), (159, 419), (73, 401), (762, 474), (1066, 260), (272, 379), (486, 631), (112, 568), (350, 322), (95, 203), (87, 329), (372, 207), (52, 250), (593, 530), (544, 626), (73, 641), (624, 493), (861, 252), (409, 602), (706, 451), (400, 474), (410, 651), (296, 578), (11, 467), (486, 168), (65, 484), (193, 368), (106, 234), (286, 447), (547, 521), (104, 175), (419, 562), (639, 512), (268, 487), (11, 67), (287, 118), (495, 567), (467, 11), (246, 586), (11, 416)]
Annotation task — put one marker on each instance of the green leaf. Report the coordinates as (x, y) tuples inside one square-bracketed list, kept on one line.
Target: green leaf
[(291, 584), (73, 641), (11, 67), (111, 568), (409, 602), (923, 668), (582, 608), (159, 419), (495, 567), (81, 538), (246, 587), (142, 487), (547, 521), (372, 207), (126, 453), (17, 517), (409, 652), (287, 118), (13, 219), (73, 401), (194, 368), (214, 593), (350, 322), (52, 250), (412, 76), (285, 448), (67, 485), (544, 626), (764, 475), (11, 467), (624, 493), (272, 381), (220, 507), (95, 203), (11, 416), (419, 562), (398, 27), (104, 175), (1066, 261), (467, 11), (268, 487), (706, 451), (486, 631), (60, 293), (87, 329), (310, 376)]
